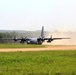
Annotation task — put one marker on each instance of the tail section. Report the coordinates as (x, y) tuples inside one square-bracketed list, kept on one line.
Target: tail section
[(42, 32)]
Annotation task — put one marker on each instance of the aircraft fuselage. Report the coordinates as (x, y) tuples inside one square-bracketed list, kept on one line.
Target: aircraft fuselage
[(33, 41)]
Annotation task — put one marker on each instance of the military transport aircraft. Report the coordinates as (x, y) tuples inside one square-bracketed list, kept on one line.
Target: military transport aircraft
[(38, 40)]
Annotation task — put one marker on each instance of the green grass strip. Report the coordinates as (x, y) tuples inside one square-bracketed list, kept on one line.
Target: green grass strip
[(20, 46), (38, 63)]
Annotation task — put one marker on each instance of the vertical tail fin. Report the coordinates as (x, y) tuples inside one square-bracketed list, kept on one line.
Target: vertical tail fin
[(42, 32)]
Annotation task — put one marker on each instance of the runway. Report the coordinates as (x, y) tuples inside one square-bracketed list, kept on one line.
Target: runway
[(49, 47)]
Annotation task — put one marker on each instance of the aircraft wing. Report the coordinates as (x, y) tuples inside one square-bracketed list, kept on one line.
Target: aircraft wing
[(22, 40), (6, 38), (51, 39), (15, 39), (59, 38), (55, 38)]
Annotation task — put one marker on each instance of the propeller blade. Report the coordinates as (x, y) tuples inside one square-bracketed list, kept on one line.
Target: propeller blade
[(15, 39), (51, 36)]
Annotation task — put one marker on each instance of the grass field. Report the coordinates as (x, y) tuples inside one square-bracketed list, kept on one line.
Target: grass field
[(20, 46), (38, 63)]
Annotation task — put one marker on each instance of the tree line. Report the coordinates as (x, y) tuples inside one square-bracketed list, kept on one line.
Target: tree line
[(7, 35), (18, 34)]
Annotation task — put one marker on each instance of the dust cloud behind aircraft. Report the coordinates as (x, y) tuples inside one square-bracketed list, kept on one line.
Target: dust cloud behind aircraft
[(71, 34)]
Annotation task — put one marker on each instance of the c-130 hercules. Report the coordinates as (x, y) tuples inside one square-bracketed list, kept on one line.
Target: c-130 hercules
[(38, 40)]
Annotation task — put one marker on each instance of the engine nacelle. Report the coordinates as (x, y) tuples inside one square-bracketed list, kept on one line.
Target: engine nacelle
[(15, 39), (49, 41), (22, 42), (40, 40)]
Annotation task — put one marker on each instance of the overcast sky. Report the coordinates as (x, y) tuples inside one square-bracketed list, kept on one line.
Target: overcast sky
[(32, 14)]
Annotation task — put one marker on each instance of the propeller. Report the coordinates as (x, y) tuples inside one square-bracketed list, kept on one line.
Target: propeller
[(23, 40), (25, 37), (50, 39), (51, 36), (15, 39)]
